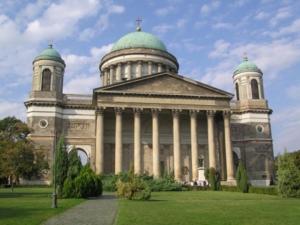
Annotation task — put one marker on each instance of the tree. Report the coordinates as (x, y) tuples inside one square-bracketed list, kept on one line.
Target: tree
[(74, 165), (213, 178), (288, 176), (242, 178), (61, 165), (17, 155)]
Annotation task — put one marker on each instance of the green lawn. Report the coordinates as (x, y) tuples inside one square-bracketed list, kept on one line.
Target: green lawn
[(211, 208), (29, 206)]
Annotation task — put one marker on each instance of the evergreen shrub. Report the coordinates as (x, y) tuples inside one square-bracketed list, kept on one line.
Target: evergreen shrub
[(242, 178)]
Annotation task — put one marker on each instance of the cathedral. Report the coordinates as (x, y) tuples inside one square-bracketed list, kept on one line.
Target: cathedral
[(147, 116)]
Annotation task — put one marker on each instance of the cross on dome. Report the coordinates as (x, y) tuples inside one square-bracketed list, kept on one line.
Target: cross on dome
[(138, 24)]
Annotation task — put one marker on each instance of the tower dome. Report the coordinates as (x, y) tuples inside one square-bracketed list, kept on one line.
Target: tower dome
[(50, 54), (246, 66), (139, 39)]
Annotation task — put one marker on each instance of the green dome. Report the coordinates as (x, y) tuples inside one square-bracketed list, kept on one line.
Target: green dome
[(246, 66), (139, 39), (50, 54)]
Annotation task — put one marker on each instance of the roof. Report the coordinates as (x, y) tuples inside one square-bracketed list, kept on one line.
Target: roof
[(246, 66), (50, 54), (139, 39)]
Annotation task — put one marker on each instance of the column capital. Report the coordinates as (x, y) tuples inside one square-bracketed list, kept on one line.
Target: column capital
[(194, 112), (129, 63), (155, 110), (176, 112), (226, 113), (111, 66), (211, 113), (99, 110), (137, 110), (118, 110), (150, 62), (139, 62)]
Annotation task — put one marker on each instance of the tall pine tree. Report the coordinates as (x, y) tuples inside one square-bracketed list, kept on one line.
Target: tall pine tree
[(61, 165), (242, 178)]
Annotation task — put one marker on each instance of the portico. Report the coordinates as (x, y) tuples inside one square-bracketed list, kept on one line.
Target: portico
[(178, 106)]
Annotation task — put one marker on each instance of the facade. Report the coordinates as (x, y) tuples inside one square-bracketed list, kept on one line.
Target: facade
[(148, 116)]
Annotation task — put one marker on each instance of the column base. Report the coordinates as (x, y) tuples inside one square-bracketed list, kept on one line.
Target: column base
[(229, 182)]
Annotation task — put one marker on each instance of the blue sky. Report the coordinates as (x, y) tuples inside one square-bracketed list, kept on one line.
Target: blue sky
[(207, 37)]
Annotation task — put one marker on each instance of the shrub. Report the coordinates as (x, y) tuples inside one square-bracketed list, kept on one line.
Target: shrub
[(214, 179), (164, 184), (135, 188), (109, 182), (288, 176), (272, 190), (74, 165), (229, 188), (88, 184), (69, 190), (242, 178)]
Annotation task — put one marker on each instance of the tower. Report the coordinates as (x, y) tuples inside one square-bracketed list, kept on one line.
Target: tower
[(251, 129), (44, 106)]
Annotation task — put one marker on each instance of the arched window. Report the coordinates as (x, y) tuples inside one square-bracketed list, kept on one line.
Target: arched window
[(254, 88), (237, 91), (46, 80), (84, 159)]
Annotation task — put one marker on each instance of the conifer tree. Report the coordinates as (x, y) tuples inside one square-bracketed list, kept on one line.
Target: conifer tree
[(61, 164), (242, 178)]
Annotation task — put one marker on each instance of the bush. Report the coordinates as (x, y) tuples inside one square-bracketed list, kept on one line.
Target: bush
[(288, 176), (272, 190), (133, 188), (229, 188), (242, 178), (88, 184), (214, 179), (69, 190), (109, 182), (163, 184)]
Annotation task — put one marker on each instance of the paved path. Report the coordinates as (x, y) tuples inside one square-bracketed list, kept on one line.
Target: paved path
[(98, 211)]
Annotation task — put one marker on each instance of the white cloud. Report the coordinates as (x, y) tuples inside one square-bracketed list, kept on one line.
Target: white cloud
[(162, 28), (220, 49), (181, 23), (8, 108), (209, 7), (293, 91), (281, 14), (293, 28), (222, 25), (163, 11), (82, 72), (287, 135), (261, 15), (59, 20)]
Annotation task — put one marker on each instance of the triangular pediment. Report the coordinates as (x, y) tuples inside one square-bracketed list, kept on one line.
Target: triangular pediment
[(165, 84)]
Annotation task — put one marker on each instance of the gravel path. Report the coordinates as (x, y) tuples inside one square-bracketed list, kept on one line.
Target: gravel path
[(97, 211)]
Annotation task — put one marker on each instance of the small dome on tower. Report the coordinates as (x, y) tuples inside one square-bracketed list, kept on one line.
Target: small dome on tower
[(139, 39), (246, 66), (50, 54)]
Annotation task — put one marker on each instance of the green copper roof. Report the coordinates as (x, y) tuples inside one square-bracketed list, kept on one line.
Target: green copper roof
[(50, 54), (246, 66), (139, 39)]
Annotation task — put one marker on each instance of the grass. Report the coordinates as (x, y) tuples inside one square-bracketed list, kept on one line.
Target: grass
[(209, 208), (29, 206)]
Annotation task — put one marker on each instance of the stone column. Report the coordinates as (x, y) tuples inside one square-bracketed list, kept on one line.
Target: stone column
[(155, 143), (118, 141), (118, 72), (211, 139), (111, 74), (105, 77), (149, 67), (139, 69), (99, 141), (159, 69), (167, 68), (194, 145), (137, 141), (228, 147), (128, 70), (176, 144)]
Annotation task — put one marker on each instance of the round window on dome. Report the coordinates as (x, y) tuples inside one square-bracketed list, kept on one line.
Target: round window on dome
[(43, 123)]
